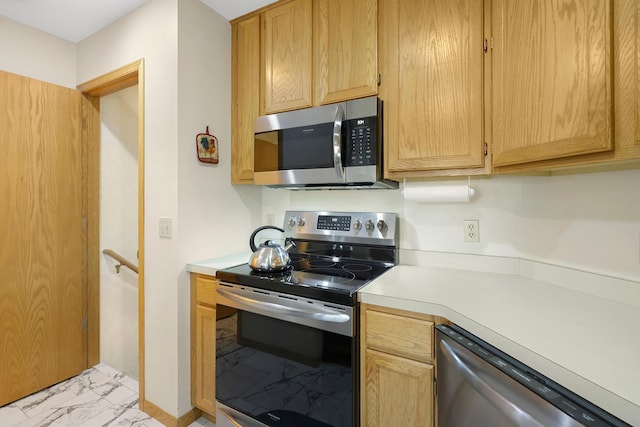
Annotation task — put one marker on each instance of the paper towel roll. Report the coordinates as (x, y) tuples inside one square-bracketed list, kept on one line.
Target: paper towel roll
[(437, 193)]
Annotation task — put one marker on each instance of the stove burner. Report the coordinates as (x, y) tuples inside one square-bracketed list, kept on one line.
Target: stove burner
[(357, 267), (323, 277), (278, 273), (321, 263)]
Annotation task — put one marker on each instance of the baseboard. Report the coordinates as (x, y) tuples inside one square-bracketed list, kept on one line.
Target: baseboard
[(209, 417), (168, 419)]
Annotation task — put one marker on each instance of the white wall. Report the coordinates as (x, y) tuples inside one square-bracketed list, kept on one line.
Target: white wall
[(186, 51), (119, 229), (36, 54), (150, 32), (214, 215), (589, 222)]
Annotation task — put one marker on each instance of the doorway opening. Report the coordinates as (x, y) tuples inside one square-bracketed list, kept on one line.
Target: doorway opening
[(124, 85), (119, 230)]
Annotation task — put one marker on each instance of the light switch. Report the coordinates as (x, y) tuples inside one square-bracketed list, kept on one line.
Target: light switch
[(165, 228)]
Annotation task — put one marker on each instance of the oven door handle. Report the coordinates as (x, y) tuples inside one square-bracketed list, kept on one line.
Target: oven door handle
[(229, 418), (337, 143), (249, 304)]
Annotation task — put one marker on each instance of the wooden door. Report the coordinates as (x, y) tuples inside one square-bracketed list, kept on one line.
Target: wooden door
[(286, 46), (42, 254), (345, 44), (431, 65), (551, 79), (397, 392), (245, 104)]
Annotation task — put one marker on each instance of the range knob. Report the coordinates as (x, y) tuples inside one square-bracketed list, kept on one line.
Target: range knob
[(382, 226), (301, 221), (357, 224), (368, 225), (292, 221)]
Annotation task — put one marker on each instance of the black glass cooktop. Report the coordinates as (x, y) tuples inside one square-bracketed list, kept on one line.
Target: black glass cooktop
[(321, 277)]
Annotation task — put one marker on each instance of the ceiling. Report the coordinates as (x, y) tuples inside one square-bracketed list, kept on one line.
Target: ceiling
[(74, 20)]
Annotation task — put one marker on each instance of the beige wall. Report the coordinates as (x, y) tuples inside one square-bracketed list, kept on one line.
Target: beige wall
[(214, 217), (186, 51), (36, 54), (589, 222)]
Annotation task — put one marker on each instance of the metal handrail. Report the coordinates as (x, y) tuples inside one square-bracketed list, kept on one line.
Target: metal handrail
[(122, 260)]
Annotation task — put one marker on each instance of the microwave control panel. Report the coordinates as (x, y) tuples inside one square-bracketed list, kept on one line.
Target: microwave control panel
[(361, 139)]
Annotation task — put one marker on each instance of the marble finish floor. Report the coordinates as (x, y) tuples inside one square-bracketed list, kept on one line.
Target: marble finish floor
[(98, 397)]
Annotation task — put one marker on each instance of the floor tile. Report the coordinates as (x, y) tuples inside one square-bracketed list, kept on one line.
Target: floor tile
[(98, 397)]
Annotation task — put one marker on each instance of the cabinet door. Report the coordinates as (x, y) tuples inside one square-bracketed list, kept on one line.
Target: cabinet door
[(205, 359), (245, 102), (345, 45), (431, 63), (627, 76), (286, 45), (397, 392), (551, 79)]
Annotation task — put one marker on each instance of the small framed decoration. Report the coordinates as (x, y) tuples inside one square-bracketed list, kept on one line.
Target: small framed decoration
[(207, 147)]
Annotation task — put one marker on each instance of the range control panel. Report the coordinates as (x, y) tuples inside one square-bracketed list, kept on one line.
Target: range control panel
[(363, 227)]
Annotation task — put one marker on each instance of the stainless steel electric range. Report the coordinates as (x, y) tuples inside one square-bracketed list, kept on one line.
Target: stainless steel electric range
[(287, 349)]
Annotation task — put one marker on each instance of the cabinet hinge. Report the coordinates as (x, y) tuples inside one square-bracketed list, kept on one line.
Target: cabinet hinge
[(84, 324), (486, 148), (84, 124), (379, 79), (435, 386), (485, 45), (83, 224)]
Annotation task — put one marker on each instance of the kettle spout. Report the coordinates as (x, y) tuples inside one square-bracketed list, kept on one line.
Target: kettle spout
[(289, 244)]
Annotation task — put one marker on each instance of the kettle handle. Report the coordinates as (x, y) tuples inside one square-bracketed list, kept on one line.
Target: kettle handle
[(252, 245)]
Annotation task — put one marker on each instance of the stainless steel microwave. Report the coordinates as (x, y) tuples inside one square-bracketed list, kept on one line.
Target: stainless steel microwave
[(337, 146)]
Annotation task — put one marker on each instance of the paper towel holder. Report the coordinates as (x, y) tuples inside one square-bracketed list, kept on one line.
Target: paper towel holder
[(439, 193)]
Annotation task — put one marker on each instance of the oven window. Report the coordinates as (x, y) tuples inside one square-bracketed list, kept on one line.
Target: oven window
[(284, 374)]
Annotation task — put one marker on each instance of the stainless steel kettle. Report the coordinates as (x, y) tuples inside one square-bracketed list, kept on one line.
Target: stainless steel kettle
[(269, 257)]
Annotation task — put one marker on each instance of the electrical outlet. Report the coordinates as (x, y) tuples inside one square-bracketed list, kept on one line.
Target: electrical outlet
[(471, 230)]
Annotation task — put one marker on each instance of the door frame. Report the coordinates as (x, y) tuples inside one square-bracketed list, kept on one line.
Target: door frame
[(124, 77)]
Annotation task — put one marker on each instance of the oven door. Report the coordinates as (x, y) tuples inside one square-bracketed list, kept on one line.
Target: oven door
[(284, 361)]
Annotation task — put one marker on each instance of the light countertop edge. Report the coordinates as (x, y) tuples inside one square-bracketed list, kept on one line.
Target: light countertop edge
[(565, 334), (211, 265)]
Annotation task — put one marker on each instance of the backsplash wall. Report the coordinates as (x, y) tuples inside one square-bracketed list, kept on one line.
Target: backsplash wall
[(589, 222)]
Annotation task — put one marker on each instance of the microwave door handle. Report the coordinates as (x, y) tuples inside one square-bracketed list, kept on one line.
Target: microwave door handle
[(337, 143)]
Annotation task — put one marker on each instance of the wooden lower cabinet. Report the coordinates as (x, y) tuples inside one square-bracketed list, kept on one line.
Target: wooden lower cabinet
[(397, 367), (397, 391), (203, 343)]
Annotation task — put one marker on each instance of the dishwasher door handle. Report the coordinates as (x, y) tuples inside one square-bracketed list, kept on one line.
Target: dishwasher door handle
[(518, 415)]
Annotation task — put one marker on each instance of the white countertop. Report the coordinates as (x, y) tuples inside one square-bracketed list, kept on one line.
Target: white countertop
[(211, 265), (582, 330), (589, 344)]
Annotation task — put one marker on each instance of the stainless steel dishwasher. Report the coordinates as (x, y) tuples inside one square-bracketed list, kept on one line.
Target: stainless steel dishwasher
[(478, 385)]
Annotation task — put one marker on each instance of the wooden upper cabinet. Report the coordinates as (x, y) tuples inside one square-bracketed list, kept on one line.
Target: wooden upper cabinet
[(551, 79), (626, 82), (245, 103), (286, 46), (345, 47), (431, 64)]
